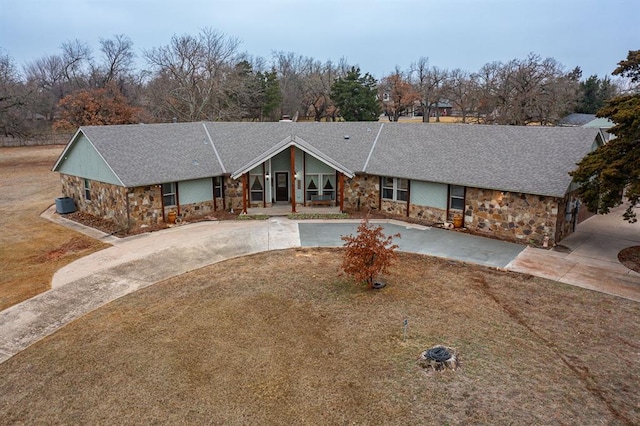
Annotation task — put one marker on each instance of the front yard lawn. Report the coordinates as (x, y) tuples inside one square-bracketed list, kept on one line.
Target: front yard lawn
[(280, 338)]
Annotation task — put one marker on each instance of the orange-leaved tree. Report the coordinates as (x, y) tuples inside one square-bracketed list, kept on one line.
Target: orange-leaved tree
[(368, 253), (95, 107)]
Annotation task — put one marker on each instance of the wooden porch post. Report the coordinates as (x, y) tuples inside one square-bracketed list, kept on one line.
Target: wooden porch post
[(244, 192), (213, 182), (292, 150), (264, 187), (341, 190), (408, 196), (222, 192)]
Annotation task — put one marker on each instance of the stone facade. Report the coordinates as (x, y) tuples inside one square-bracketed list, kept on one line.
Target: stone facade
[(395, 208), (516, 217), (133, 207), (233, 193), (362, 192), (429, 214), (512, 216), (106, 200), (145, 205)]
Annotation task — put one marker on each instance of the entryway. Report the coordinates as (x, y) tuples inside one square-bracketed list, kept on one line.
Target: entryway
[(282, 186)]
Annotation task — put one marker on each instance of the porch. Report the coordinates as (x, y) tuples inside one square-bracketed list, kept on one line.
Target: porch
[(285, 209)]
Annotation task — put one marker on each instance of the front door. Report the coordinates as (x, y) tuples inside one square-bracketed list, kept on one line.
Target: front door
[(282, 186)]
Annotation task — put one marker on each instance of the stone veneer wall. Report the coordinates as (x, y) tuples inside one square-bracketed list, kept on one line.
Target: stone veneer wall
[(233, 193), (512, 216), (362, 191), (430, 214), (145, 205), (145, 202), (396, 208), (107, 200)]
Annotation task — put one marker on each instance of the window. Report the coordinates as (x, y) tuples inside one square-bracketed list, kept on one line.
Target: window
[(387, 188), (257, 188), (217, 187), (87, 190), (327, 188), (169, 194), (312, 186), (456, 197), (395, 189), (402, 188), (320, 184)]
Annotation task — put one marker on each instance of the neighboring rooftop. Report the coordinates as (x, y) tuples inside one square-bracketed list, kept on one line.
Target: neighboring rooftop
[(576, 119)]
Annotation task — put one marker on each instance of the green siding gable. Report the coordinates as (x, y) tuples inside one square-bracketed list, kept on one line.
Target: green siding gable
[(281, 162), (313, 165), (83, 160)]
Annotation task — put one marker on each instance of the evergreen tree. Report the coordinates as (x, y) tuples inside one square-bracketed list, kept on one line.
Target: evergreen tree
[(612, 172), (594, 93), (355, 96)]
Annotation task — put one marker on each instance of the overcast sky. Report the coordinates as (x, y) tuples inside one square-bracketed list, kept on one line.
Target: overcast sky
[(374, 34)]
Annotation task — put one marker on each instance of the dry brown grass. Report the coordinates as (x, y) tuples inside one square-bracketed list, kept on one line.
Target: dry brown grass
[(279, 338), (32, 248)]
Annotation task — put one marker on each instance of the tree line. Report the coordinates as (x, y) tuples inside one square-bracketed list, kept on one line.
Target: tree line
[(206, 77)]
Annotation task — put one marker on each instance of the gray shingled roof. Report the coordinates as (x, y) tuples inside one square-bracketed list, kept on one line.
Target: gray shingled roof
[(147, 154), (521, 159), (576, 119), (532, 159)]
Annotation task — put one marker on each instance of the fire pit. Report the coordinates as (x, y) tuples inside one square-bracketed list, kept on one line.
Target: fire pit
[(439, 358)]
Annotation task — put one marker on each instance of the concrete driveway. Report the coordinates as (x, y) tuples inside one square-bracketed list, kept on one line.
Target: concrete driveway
[(589, 260), (417, 239)]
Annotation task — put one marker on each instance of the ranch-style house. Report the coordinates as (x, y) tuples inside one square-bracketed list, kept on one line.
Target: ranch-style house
[(506, 182)]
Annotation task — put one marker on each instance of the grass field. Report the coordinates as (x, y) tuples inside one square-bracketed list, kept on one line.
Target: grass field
[(32, 248), (280, 338)]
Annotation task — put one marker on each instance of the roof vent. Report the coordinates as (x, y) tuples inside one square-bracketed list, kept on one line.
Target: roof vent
[(346, 136), (195, 162)]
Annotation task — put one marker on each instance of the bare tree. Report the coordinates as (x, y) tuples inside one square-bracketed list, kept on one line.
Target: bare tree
[(76, 59), (13, 98), (397, 94), (45, 78), (461, 89), (316, 89), (189, 75), (117, 59), (524, 91), (486, 91), (291, 69), (428, 82)]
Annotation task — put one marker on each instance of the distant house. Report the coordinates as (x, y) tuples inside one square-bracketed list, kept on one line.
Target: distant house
[(506, 182), (443, 109), (589, 120), (576, 119)]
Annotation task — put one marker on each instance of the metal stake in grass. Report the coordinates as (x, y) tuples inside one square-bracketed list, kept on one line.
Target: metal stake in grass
[(406, 325)]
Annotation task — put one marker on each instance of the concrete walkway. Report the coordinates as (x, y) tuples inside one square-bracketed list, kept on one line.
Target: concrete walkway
[(136, 262), (588, 258)]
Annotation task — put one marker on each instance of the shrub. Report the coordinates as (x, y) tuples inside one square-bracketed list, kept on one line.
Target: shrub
[(369, 253)]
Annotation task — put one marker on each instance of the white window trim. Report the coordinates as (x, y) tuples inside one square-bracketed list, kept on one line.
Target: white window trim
[(87, 189), (320, 184), (218, 180), (395, 189), (175, 190), (457, 197)]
